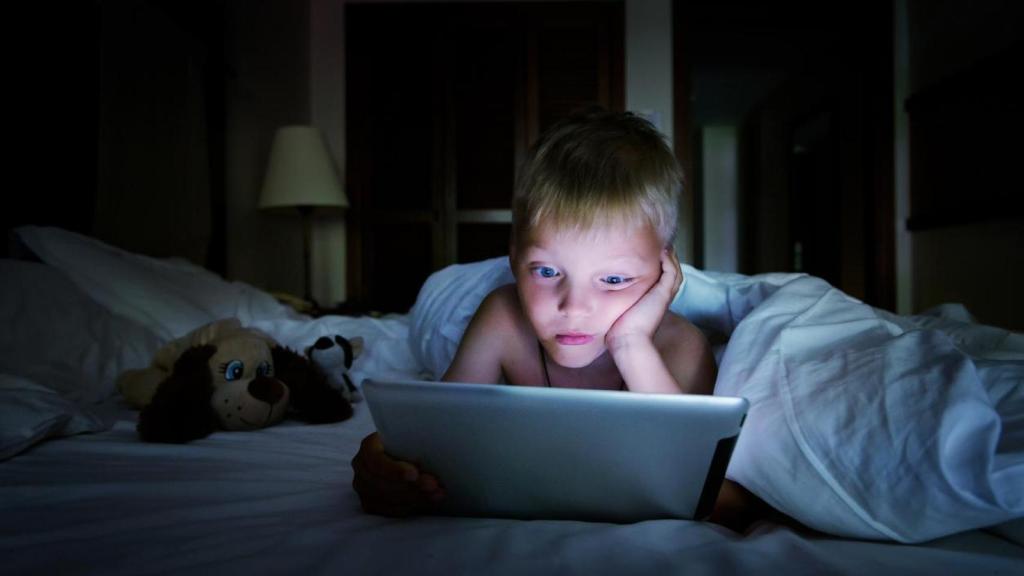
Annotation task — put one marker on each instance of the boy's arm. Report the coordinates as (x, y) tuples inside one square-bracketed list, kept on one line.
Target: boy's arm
[(642, 368), (478, 359), (656, 353), (684, 364)]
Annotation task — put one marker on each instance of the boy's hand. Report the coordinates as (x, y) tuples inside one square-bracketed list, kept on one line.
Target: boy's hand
[(392, 487), (642, 319)]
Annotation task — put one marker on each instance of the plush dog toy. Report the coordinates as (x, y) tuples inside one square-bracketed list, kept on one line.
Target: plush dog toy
[(225, 376)]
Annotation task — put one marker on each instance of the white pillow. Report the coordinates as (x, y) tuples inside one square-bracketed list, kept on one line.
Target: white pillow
[(60, 354), (30, 413), (169, 297), (445, 305), (52, 334)]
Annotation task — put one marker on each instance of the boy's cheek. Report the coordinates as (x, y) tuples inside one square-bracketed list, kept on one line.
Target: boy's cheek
[(633, 294), (628, 298), (532, 301)]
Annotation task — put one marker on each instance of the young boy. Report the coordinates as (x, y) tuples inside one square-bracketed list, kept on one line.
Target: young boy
[(594, 215)]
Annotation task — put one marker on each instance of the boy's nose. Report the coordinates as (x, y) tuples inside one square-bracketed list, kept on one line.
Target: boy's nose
[(574, 301)]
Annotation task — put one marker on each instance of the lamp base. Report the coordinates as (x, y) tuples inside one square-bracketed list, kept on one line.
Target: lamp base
[(306, 212)]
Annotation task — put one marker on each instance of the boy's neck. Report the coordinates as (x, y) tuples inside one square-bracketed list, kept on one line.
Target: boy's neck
[(601, 374)]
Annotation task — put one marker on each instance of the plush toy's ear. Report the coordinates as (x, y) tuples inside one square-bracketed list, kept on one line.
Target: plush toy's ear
[(180, 410), (353, 347), (312, 397)]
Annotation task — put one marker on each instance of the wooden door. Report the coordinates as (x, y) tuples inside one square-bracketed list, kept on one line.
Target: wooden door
[(443, 102)]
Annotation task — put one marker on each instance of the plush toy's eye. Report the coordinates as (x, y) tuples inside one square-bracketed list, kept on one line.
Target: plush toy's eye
[(265, 369), (234, 370)]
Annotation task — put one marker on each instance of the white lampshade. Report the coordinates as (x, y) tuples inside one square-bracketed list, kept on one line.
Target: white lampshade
[(300, 171)]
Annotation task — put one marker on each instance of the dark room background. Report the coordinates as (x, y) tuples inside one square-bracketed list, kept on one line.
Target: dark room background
[(870, 144)]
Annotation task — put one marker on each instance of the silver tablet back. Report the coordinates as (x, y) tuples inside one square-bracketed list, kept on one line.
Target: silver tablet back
[(522, 452)]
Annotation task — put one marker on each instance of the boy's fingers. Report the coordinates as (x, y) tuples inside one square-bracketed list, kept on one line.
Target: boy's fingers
[(391, 487), (390, 498), (384, 466), (670, 274), (428, 483), (393, 498), (371, 444), (396, 504), (376, 462)]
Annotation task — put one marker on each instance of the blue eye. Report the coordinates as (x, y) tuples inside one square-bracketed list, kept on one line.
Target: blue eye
[(234, 370), (545, 271), (265, 369), (614, 280)]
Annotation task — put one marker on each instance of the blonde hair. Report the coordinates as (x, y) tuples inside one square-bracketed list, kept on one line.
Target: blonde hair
[(598, 168)]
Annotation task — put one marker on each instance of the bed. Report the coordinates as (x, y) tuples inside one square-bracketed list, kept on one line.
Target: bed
[(897, 442)]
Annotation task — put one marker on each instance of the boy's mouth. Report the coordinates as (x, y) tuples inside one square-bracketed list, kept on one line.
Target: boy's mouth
[(573, 339)]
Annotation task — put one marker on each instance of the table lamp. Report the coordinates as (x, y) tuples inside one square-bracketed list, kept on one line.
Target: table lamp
[(301, 175)]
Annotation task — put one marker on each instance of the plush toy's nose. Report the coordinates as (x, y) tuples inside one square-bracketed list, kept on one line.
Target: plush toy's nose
[(269, 390)]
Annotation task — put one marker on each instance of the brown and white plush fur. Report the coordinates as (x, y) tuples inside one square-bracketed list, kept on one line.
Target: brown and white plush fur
[(228, 377)]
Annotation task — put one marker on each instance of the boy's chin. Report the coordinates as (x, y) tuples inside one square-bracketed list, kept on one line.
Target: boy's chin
[(578, 358)]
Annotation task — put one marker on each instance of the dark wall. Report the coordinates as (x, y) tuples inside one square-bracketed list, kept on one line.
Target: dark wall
[(53, 80), (965, 119), (810, 86), (120, 124)]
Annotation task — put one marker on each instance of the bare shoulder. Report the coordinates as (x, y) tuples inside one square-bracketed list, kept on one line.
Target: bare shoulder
[(687, 354), (675, 329), (500, 310), (485, 346), (503, 312)]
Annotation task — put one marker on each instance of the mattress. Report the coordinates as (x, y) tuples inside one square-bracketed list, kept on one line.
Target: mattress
[(279, 501)]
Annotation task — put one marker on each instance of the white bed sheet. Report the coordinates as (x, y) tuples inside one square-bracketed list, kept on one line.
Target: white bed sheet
[(279, 501)]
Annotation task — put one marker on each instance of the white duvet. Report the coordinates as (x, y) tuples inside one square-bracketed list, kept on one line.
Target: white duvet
[(862, 423)]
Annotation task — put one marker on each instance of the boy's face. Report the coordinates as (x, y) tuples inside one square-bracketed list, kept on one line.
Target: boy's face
[(574, 285)]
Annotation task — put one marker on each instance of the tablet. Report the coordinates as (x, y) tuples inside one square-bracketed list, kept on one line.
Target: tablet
[(557, 453)]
